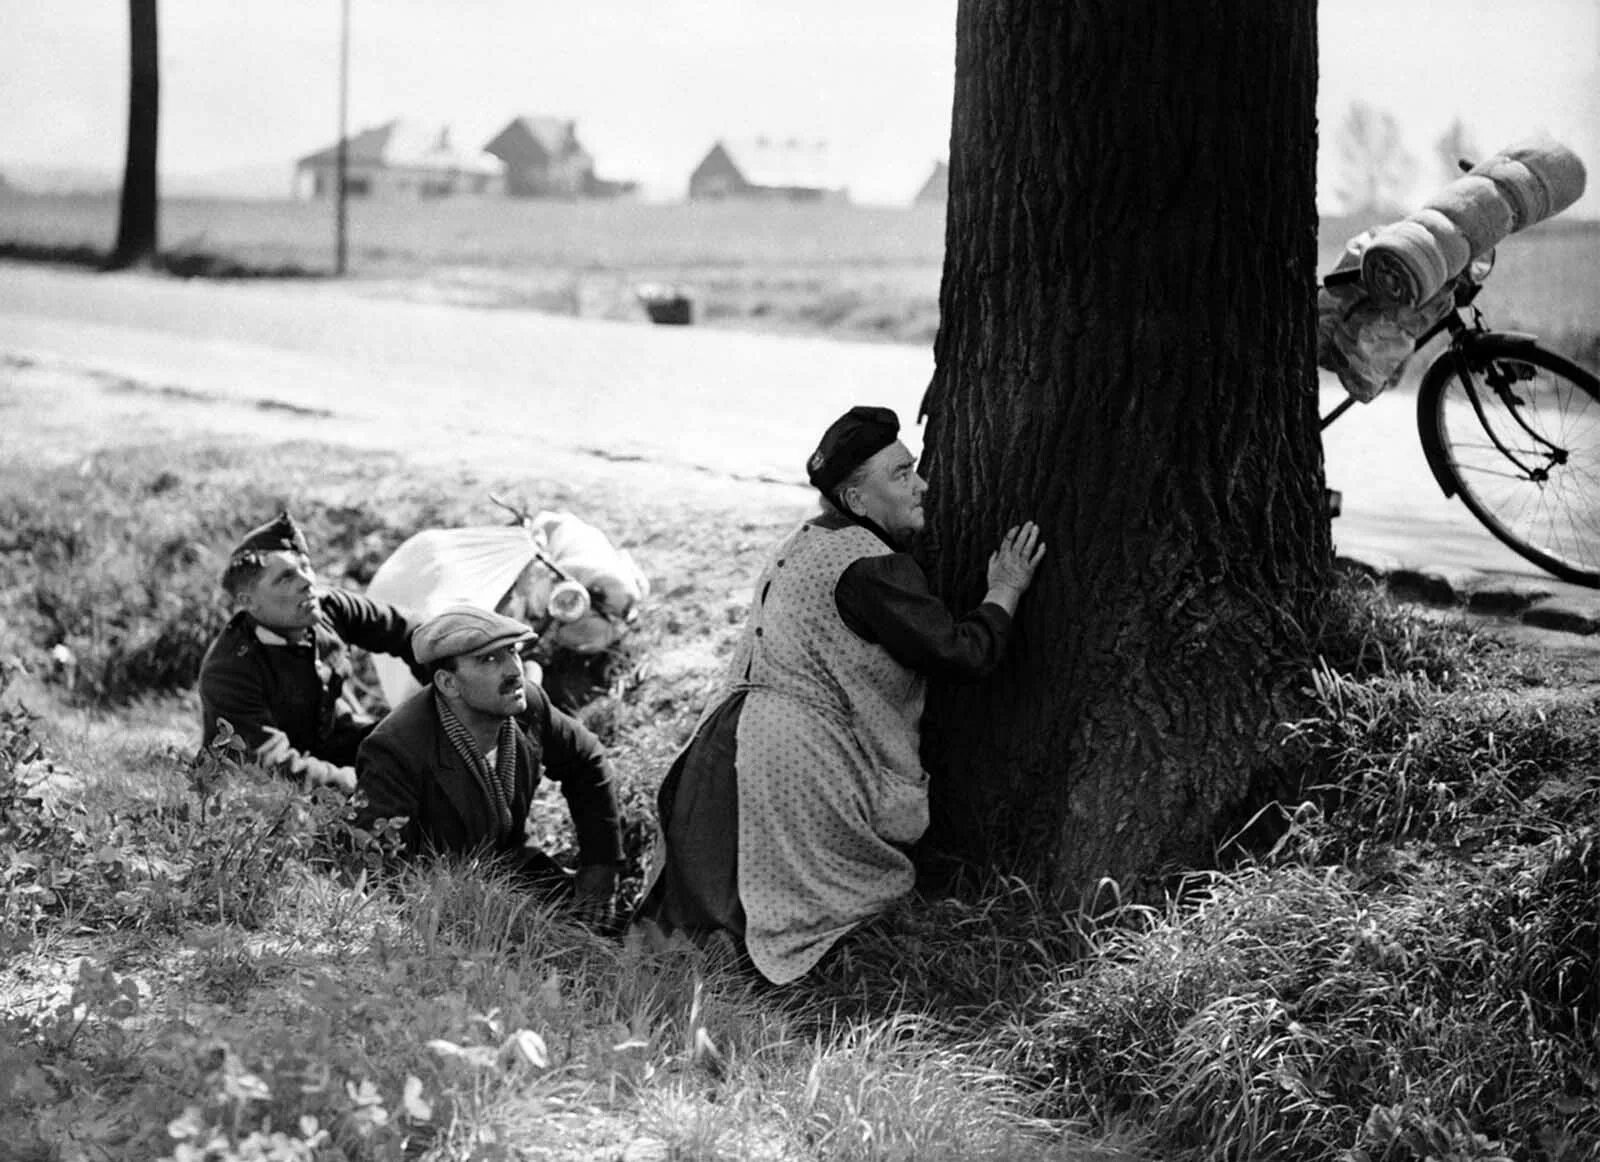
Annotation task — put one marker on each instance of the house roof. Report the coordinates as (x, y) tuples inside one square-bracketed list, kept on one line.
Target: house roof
[(406, 144), (789, 162), (937, 187), (552, 133)]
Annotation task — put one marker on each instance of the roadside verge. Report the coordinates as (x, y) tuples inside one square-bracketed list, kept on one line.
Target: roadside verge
[(1541, 604)]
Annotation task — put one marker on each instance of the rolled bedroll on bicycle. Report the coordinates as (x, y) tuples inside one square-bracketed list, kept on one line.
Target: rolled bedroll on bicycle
[(1509, 427)]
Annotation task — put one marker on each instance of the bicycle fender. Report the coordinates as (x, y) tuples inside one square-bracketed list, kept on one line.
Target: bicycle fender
[(1439, 373), (1507, 339), (1483, 343)]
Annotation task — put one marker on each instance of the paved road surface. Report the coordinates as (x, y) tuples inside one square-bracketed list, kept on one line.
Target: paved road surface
[(718, 407)]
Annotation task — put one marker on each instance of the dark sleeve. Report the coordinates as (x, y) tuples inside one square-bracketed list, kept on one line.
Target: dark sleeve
[(391, 786), (574, 757), (234, 693), (885, 600), (375, 626)]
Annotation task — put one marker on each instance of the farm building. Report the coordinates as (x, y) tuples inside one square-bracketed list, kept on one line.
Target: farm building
[(544, 159), (936, 190), (400, 159), (789, 169)]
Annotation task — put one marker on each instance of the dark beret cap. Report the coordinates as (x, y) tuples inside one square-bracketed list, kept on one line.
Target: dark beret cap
[(850, 441), (281, 532)]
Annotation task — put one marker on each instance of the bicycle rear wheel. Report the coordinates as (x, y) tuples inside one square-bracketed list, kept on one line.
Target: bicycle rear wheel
[(1516, 430)]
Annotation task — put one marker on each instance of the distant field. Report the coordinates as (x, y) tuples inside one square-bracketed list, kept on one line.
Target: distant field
[(851, 271), (860, 272)]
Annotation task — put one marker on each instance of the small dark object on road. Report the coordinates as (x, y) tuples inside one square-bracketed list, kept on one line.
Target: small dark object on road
[(666, 304)]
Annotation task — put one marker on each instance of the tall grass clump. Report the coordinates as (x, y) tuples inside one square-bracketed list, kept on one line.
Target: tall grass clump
[(110, 568), (1361, 640), (1442, 745), (1363, 632), (1399, 761), (1296, 1014), (900, 1088), (971, 959), (1408, 973)]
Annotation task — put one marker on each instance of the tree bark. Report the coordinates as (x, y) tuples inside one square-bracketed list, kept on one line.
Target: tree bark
[(137, 224), (1126, 354)]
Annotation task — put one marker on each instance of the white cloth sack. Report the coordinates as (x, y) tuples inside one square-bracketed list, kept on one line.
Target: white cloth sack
[(497, 567)]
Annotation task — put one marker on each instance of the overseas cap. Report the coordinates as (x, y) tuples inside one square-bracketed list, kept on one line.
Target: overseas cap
[(850, 441), (464, 629), (281, 532)]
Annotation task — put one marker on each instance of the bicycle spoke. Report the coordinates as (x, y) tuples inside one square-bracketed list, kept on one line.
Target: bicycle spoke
[(1526, 459)]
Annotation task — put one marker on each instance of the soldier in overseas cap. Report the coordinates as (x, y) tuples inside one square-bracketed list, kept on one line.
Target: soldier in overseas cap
[(786, 817), (278, 674), (460, 761)]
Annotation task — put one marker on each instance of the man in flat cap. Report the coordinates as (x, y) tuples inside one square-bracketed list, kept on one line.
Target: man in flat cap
[(279, 671), (786, 817), (460, 760)]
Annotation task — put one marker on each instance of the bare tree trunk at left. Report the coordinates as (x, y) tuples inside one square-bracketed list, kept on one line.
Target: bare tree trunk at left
[(137, 230)]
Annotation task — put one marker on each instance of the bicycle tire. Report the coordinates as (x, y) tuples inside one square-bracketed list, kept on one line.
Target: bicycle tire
[(1542, 500)]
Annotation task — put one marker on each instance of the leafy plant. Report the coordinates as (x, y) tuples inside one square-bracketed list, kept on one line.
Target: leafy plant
[(113, 567), (42, 853)]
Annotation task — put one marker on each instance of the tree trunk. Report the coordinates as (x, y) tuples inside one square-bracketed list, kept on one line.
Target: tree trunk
[(137, 228), (1126, 354)]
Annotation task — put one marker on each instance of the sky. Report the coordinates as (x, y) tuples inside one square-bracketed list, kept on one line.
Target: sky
[(253, 84)]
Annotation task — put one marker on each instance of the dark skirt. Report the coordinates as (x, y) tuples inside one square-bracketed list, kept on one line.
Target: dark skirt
[(698, 804)]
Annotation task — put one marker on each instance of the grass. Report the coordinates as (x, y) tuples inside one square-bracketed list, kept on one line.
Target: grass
[(192, 968)]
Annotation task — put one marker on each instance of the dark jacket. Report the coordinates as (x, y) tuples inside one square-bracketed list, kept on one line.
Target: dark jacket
[(408, 767), (289, 703)]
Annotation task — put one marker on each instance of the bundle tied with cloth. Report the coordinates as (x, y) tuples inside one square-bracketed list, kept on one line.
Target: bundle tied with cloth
[(507, 569), (1368, 328), (1410, 261)]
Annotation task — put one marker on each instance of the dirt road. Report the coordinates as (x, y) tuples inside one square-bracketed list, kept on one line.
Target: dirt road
[(725, 415)]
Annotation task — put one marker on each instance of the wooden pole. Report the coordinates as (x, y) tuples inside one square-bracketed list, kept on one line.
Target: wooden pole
[(341, 188)]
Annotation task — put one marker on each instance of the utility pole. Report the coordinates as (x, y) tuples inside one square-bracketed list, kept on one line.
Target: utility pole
[(340, 186)]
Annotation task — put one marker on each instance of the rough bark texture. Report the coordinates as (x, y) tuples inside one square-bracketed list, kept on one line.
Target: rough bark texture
[(137, 229), (1126, 354)]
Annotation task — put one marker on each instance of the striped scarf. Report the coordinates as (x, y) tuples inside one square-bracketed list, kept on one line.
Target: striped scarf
[(499, 782)]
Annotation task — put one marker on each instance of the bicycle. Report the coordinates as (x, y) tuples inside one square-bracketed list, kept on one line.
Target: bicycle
[(1513, 430)]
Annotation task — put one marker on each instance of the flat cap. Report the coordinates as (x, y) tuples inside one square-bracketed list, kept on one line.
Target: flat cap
[(281, 532), (850, 441), (464, 629)]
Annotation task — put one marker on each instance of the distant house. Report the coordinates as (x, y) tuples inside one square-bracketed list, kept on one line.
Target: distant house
[(544, 159), (400, 159), (936, 190), (790, 169)]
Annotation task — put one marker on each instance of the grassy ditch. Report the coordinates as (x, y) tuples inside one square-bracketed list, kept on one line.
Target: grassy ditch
[(193, 967)]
